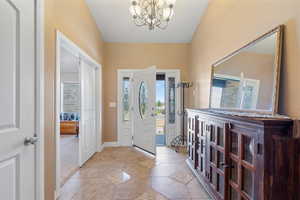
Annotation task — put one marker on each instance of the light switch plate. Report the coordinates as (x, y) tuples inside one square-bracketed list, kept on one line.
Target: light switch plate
[(112, 104)]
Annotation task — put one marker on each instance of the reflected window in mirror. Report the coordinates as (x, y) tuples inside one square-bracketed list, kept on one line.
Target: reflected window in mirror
[(248, 78)]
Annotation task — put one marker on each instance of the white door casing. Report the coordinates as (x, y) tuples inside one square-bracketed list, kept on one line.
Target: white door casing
[(125, 128), (17, 100), (144, 123), (63, 42), (88, 115)]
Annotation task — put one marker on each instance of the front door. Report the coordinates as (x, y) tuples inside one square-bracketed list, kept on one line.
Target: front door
[(17, 100), (144, 121), (87, 128)]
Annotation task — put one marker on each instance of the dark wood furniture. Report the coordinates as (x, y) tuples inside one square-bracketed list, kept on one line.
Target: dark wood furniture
[(243, 158), (69, 127)]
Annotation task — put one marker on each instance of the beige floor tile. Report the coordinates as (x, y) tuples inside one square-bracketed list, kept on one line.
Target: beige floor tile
[(128, 174), (182, 176)]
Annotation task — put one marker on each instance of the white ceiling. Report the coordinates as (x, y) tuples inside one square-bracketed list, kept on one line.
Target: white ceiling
[(116, 25)]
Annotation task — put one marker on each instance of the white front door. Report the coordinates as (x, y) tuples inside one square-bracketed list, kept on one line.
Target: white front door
[(87, 128), (17, 100), (144, 121)]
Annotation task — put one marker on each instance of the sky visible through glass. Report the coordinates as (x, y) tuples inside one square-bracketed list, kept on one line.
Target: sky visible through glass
[(160, 91)]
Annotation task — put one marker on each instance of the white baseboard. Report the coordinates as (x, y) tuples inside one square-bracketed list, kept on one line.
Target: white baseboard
[(100, 148), (110, 144), (56, 194)]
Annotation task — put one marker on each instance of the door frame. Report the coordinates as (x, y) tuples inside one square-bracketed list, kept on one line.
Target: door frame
[(128, 72), (39, 97), (63, 41)]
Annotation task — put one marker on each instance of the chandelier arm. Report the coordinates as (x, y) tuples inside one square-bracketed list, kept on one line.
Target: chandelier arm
[(137, 23), (163, 27)]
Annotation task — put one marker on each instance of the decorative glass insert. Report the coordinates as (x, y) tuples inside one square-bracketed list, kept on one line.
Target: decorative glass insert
[(143, 99), (234, 143), (247, 181), (172, 101), (125, 99), (248, 149)]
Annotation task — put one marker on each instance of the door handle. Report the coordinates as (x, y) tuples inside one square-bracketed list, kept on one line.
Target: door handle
[(30, 141), (226, 166)]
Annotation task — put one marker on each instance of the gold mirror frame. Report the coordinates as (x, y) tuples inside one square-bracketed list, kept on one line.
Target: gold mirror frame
[(277, 62)]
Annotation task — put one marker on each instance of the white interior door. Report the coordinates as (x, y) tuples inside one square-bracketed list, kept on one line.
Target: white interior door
[(87, 127), (17, 100), (144, 121)]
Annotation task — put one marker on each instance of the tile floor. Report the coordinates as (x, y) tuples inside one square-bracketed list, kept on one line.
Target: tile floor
[(128, 174), (68, 156)]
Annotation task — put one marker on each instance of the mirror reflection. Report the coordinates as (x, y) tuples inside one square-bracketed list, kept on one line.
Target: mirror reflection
[(246, 81)]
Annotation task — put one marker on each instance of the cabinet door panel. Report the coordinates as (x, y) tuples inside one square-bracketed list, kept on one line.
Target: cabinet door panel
[(192, 140), (242, 163), (217, 164)]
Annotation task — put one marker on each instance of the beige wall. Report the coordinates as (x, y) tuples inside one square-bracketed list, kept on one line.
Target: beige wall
[(135, 56), (72, 18), (228, 25)]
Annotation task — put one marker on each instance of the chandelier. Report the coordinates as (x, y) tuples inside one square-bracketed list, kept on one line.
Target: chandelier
[(152, 13)]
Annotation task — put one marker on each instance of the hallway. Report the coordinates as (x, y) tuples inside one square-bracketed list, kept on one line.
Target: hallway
[(122, 173)]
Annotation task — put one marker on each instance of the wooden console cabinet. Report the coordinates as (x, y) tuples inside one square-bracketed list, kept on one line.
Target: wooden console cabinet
[(243, 158)]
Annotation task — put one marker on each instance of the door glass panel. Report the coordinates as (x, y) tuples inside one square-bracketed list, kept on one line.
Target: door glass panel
[(234, 143), (202, 129), (171, 82), (233, 171), (125, 99), (220, 160), (143, 99), (247, 184), (220, 137), (248, 149), (212, 154), (201, 146), (220, 184), (212, 134), (233, 194), (201, 164)]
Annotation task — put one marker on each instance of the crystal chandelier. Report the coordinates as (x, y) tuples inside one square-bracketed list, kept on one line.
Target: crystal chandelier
[(152, 13)]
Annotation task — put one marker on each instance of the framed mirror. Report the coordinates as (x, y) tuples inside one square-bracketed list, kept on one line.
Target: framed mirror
[(248, 79)]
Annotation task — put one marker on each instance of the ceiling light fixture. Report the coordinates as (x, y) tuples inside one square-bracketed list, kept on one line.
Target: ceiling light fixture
[(152, 13)]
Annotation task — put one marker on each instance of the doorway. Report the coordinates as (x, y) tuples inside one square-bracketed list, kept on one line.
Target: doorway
[(78, 109), (69, 114), (132, 85), (160, 110)]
